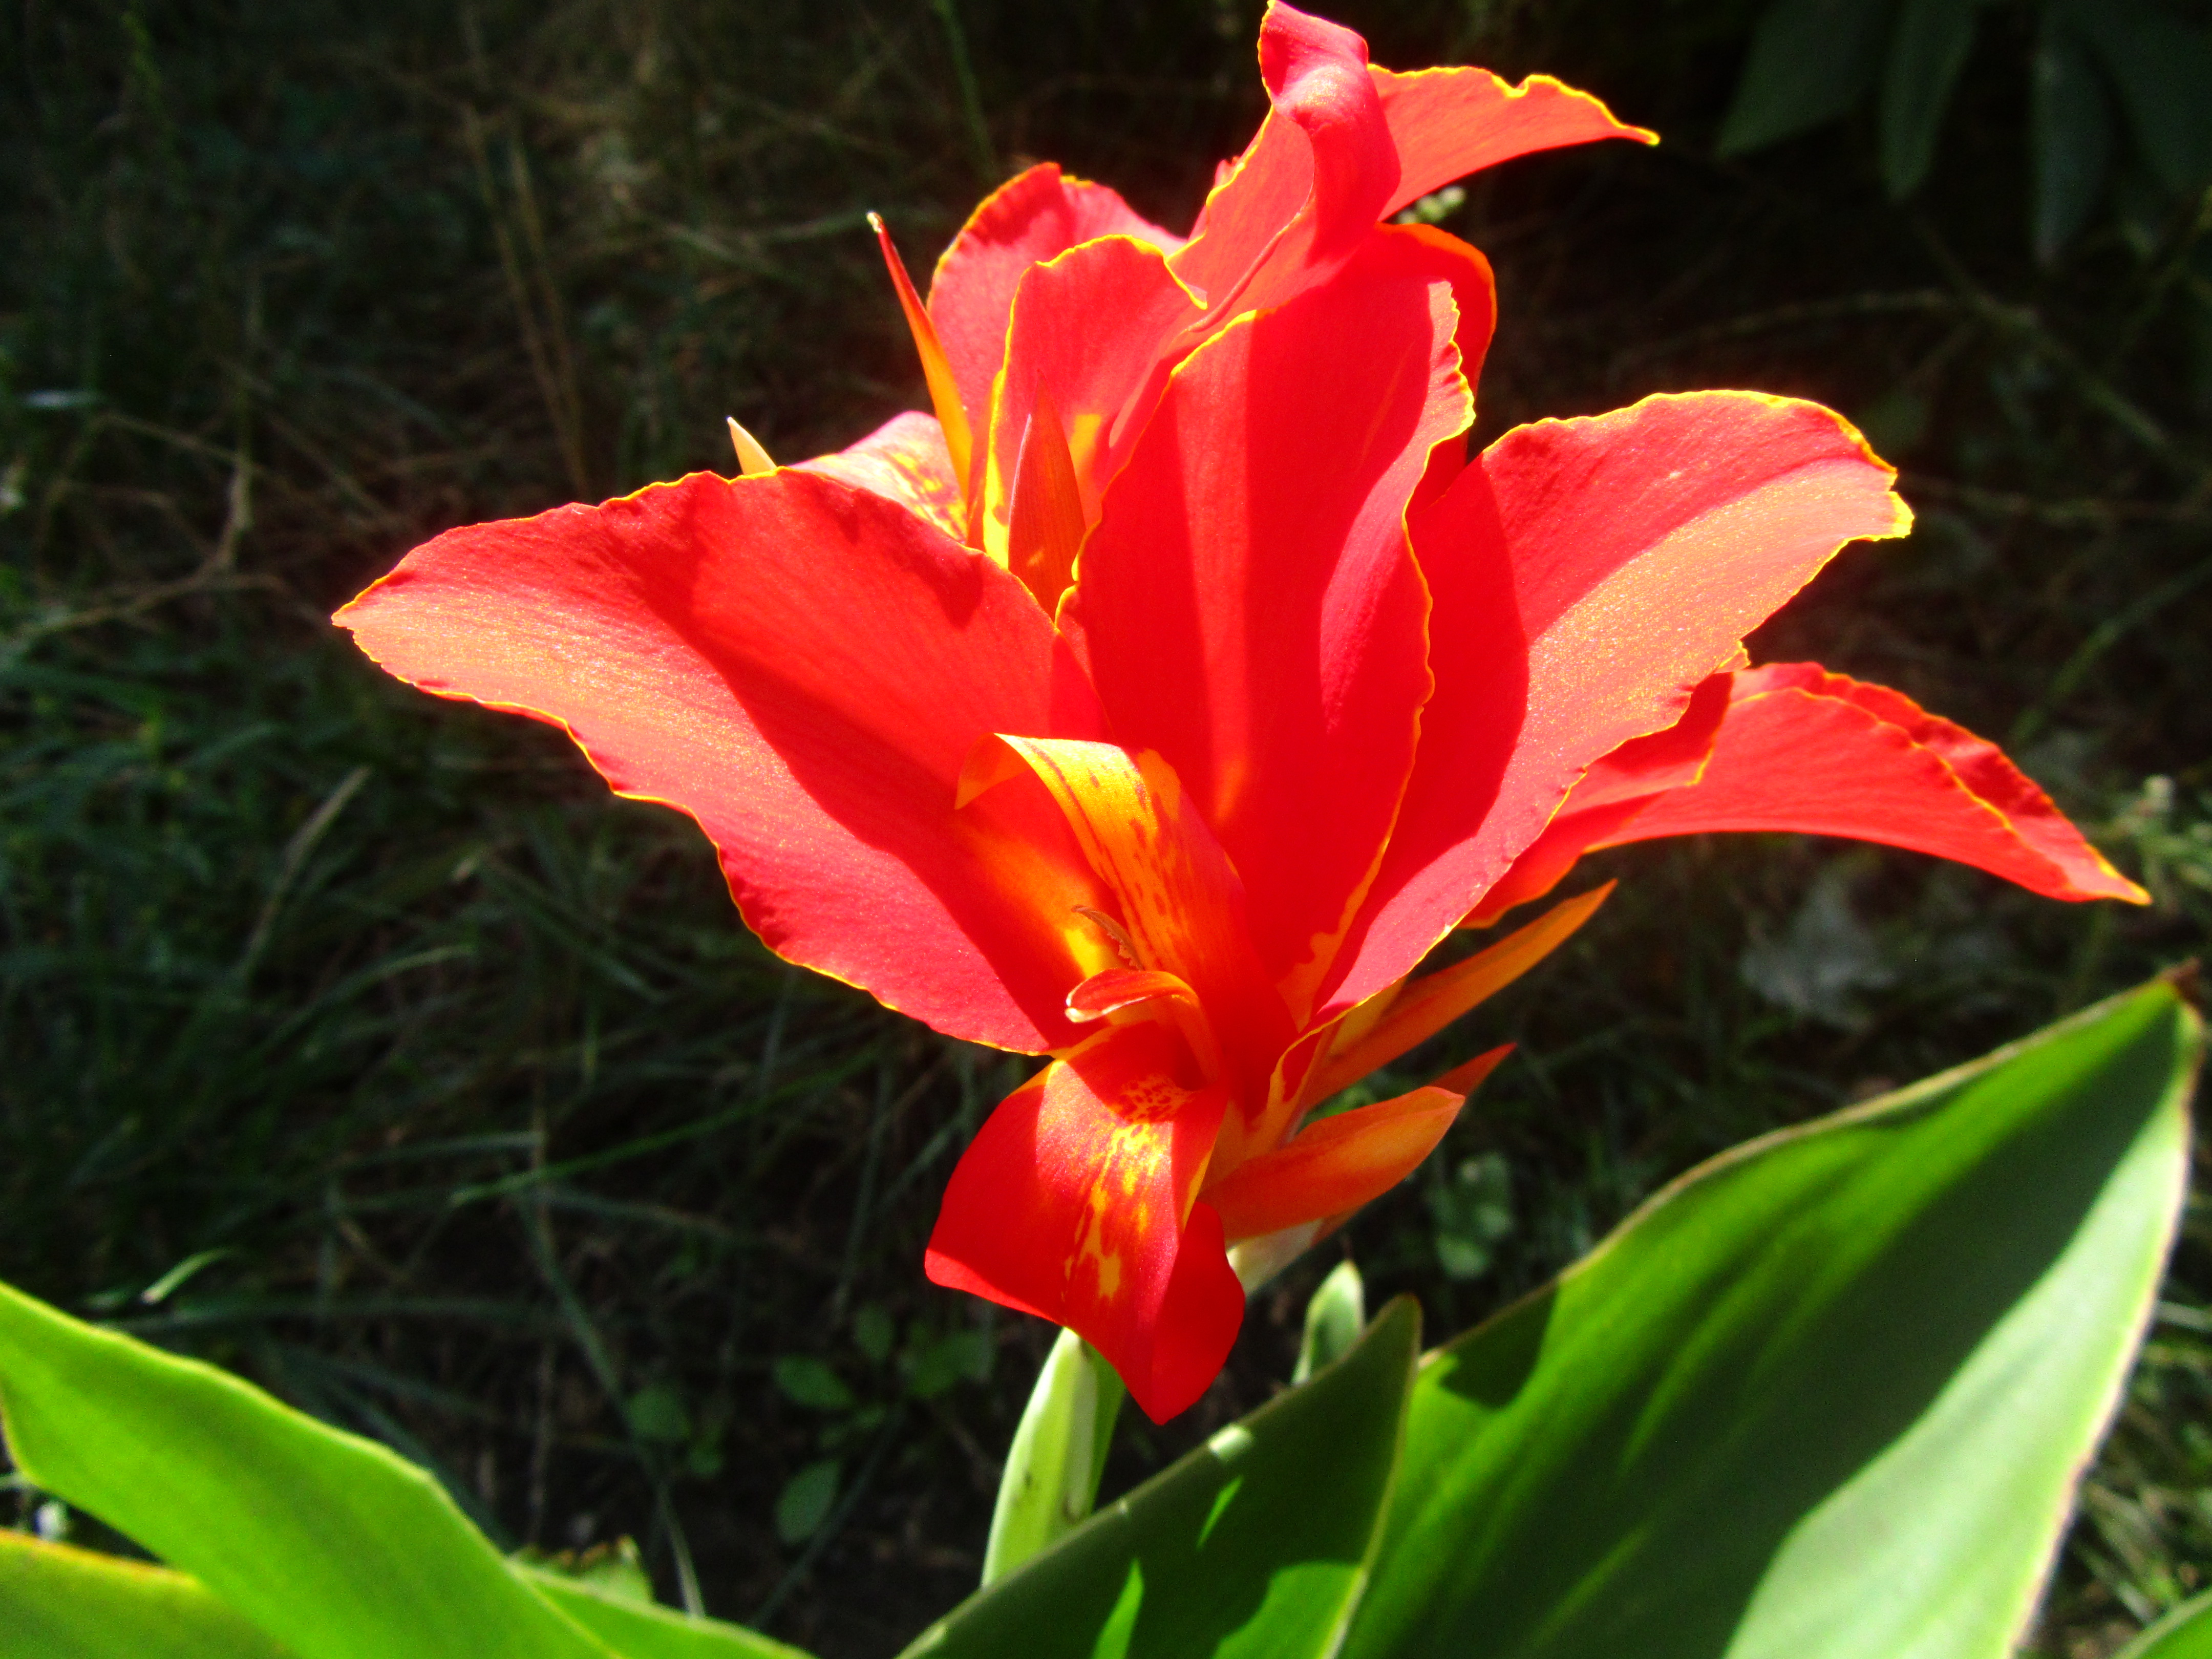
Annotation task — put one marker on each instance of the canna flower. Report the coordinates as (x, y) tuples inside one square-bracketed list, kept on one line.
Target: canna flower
[(1159, 702)]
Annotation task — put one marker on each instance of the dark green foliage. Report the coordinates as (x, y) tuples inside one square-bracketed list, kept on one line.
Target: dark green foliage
[(360, 1042)]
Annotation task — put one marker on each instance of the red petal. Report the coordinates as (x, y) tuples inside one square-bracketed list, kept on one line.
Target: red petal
[(1249, 605), (902, 460), (1314, 180), (1802, 749), (1586, 575), (802, 666), (1032, 218), (1056, 344), (1333, 1166), (1075, 1202), (1612, 792), (1447, 123)]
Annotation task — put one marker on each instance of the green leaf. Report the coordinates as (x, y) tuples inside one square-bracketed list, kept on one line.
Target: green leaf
[(1826, 1396), (1810, 61), (640, 1629), (1926, 52), (874, 1333), (1333, 1315), (811, 1382), (2163, 68), (805, 1502), (1255, 1546), (2072, 130), (657, 1412), (1050, 1482), (2184, 1634), (59, 1603), (935, 1365), (330, 1543)]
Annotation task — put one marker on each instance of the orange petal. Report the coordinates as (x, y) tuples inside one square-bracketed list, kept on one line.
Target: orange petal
[(1333, 1166), (1426, 1005), (936, 370), (1467, 1076), (1076, 1202)]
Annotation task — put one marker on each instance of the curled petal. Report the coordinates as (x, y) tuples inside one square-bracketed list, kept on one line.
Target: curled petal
[(702, 641), (1034, 216), (1314, 180), (1802, 749), (1586, 576), (1333, 1166), (1076, 1203), (1103, 996)]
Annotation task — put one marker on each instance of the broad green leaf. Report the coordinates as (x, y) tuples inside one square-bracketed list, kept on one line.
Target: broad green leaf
[(640, 1629), (1810, 61), (2072, 129), (1334, 1313), (58, 1602), (1254, 1546), (1926, 52), (2184, 1633), (2163, 68), (329, 1543), (1059, 1451), (1827, 1397)]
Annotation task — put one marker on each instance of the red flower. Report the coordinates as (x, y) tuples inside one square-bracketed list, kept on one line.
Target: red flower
[(1160, 704)]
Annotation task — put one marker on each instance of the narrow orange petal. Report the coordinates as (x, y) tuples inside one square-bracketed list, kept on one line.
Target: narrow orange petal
[(1467, 1077), (1427, 1006), (1335, 1166), (1045, 526), (936, 369)]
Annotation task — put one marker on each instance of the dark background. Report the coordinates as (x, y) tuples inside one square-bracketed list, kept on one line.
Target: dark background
[(361, 1043)]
